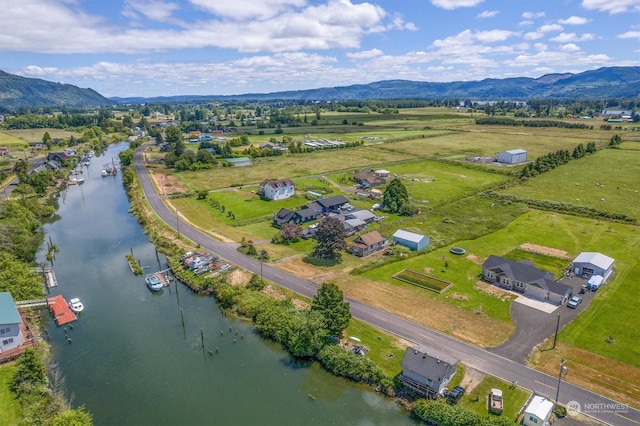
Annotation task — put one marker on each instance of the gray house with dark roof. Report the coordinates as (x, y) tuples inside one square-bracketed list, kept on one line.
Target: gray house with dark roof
[(427, 373), (525, 278), (284, 216), (328, 205)]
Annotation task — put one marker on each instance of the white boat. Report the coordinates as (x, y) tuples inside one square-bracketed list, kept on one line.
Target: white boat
[(154, 282), (80, 180), (76, 305)]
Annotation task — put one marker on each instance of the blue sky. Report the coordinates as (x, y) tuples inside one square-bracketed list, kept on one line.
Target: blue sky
[(210, 47)]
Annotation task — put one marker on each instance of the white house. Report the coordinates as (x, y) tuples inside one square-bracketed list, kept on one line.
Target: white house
[(513, 156), (10, 321), (277, 189), (537, 412), (589, 264)]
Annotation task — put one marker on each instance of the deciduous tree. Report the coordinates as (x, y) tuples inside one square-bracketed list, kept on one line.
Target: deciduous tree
[(330, 239), (395, 196)]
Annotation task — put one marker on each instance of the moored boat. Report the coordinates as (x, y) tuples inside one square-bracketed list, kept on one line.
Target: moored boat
[(76, 305), (154, 282)]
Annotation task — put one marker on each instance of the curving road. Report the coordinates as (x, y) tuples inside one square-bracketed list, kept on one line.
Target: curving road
[(594, 405)]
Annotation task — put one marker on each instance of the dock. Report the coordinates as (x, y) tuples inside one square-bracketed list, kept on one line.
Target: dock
[(165, 277), (60, 310), (48, 276)]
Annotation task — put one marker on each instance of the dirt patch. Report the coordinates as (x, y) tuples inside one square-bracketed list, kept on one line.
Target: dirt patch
[(457, 296), (299, 267), (239, 277), (427, 270), (274, 292), (494, 291), (475, 259), (166, 184), (549, 251), (471, 379)]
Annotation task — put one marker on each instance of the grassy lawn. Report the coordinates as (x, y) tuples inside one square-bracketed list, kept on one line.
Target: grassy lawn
[(555, 265), (10, 412), (476, 399), (384, 348), (582, 182)]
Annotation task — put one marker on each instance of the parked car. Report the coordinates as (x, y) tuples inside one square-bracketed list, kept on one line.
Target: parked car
[(455, 394), (574, 302)]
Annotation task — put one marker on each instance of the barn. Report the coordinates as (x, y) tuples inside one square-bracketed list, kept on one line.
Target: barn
[(513, 156), (588, 264), (411, 240)]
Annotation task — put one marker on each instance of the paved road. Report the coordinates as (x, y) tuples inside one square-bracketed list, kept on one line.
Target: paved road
[(490, 363)]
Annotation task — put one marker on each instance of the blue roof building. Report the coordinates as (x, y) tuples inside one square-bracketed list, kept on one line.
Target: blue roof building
[(10, 321)]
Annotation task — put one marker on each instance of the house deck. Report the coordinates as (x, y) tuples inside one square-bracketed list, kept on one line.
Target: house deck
[(60, 310)]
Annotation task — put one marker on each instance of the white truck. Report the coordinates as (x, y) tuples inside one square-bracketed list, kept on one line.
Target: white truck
[(495, 401)]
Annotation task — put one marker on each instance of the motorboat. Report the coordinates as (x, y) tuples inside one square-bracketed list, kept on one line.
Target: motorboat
[(76, 305), (80, 180), (154, 282)]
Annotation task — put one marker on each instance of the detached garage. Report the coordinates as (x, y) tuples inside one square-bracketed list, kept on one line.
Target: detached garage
[(588, 264), (411, 240), (513, 156)]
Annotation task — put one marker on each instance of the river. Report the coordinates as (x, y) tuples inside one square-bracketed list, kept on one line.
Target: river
[(131, 361)]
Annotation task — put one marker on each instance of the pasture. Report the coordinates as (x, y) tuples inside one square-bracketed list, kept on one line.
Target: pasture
[(609, 180)]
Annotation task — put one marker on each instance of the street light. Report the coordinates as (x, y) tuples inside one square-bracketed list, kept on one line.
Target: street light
[(563, 369)]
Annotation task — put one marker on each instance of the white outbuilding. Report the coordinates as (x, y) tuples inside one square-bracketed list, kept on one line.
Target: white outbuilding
[(513, 156), (589, 264)]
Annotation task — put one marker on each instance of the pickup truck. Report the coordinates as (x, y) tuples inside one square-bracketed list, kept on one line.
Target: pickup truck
[(495, 401)]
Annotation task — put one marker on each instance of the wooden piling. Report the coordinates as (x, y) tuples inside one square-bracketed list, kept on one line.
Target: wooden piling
[(202, 338), (182, 316)]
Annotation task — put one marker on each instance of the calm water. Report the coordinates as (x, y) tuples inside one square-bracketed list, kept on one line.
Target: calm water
[(131, 361)]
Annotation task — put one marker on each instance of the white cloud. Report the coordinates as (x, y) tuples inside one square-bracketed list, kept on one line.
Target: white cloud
[(455, 4), (532, 15), (533, 35), (570, 47), (630, 34), (611, 6), (574, 20), (525, 23), (365, 54), (488, 14), (550, 27), (571, 37), (336, 23)]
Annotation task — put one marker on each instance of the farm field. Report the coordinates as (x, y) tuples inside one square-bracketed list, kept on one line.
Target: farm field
[(454, 212), (35, 135), (582, 182)]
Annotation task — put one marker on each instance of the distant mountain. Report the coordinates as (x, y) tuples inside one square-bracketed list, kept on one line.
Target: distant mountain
[(610, 82), (16, 92)]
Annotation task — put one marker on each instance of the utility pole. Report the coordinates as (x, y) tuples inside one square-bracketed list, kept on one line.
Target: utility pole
[(555, 336), (563, 369)]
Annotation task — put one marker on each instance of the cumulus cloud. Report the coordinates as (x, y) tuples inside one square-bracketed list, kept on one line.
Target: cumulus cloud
[(574, 20), (488, 14), (154, 10), (242, 10), (630, 34), (532, 15), (611, 6), (571, 37), (550, 27), (455, 4)]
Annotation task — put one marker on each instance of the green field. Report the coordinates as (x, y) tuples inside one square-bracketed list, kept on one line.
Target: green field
[(555, 265), (10, 411), (608, 180), (477, 399)]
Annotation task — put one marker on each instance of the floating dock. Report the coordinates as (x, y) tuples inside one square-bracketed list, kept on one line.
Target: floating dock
[(48, 276), (60, 310)]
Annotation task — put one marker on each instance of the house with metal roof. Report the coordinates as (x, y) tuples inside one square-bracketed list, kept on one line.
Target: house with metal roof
[(284, 216), (327, 205), (411, 240), (525, 278), (427, 373), (588, 264), (513, 156), (10, 322)]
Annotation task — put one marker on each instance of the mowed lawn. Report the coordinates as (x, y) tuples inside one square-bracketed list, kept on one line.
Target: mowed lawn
[(609, 180)]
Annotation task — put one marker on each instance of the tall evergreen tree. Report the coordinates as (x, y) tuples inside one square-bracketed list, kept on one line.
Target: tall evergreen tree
[(329, 301)]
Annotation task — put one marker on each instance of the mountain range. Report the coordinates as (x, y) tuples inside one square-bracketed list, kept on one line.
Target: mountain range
[(608, 82)]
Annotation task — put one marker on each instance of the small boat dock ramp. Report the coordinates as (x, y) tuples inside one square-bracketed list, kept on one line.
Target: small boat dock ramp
[(60, 310), (48, 276)]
